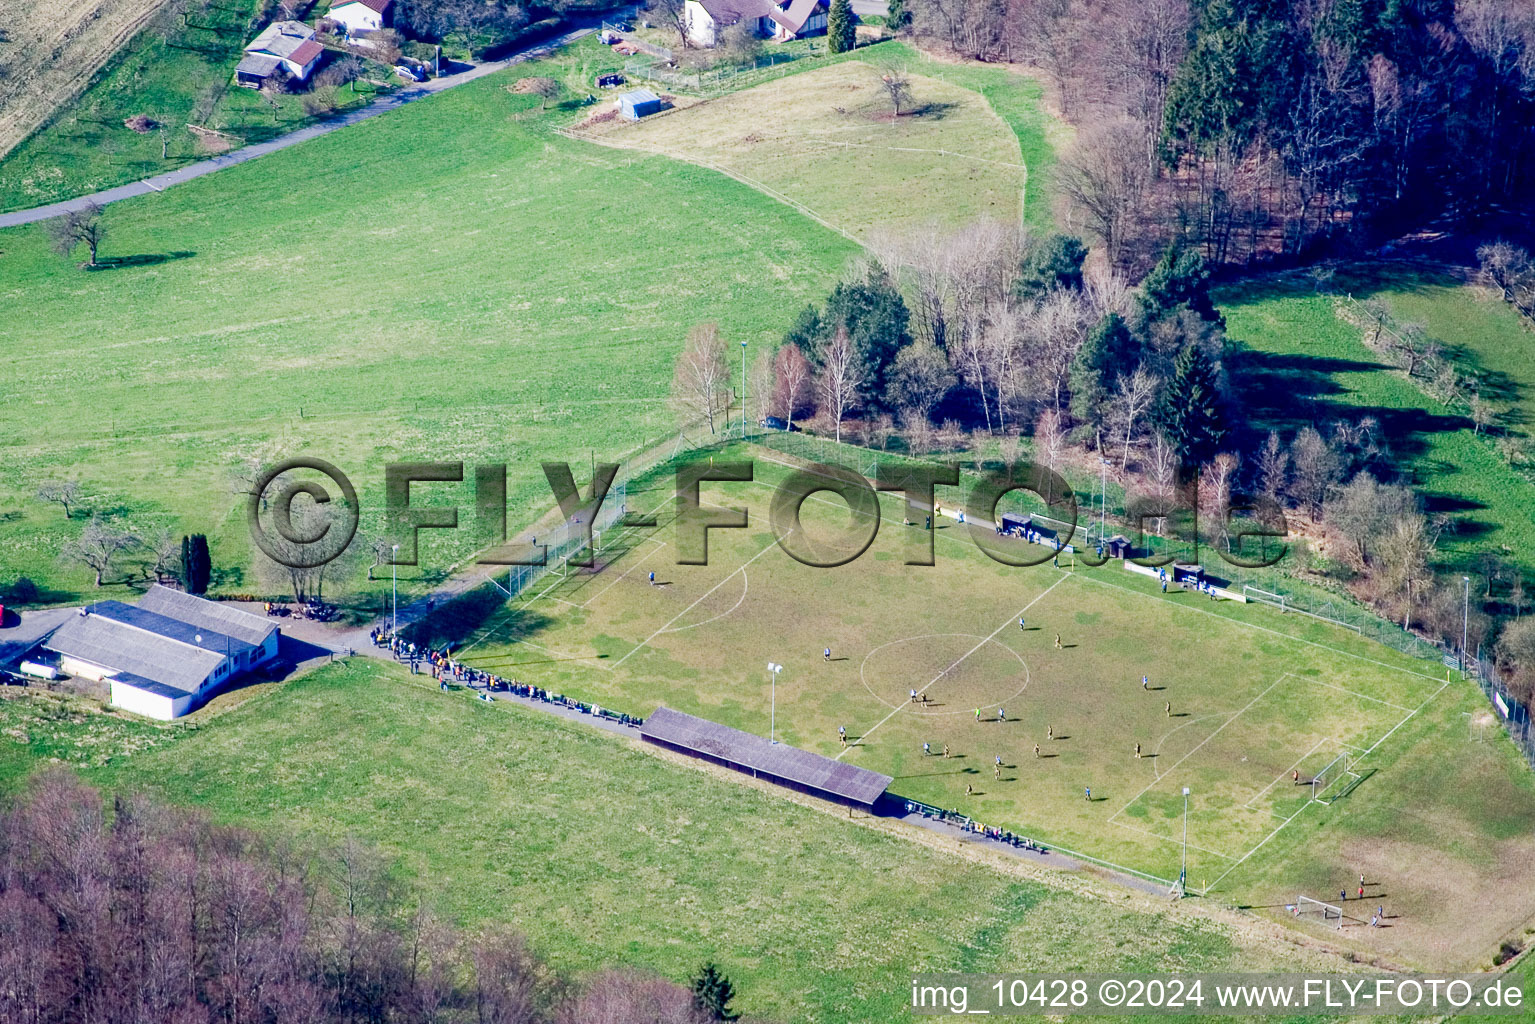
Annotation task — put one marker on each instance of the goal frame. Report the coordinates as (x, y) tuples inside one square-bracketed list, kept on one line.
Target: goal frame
[(1306, 905), (1265, 597), (1325, 782)]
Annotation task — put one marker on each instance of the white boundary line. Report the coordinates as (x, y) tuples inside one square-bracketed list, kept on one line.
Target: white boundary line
[(1427, 700), (745, 589), (1287, 771), (1253, 625), (1171, 839), (1195, 749), (769, 546), (1352, 693), (1039, 597)]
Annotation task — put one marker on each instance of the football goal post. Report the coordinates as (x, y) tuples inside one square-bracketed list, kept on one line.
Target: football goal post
[(1331, 782), (1267, 597), (1308, 908)]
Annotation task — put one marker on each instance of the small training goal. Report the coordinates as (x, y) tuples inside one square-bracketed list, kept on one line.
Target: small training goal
[(1327, 913)]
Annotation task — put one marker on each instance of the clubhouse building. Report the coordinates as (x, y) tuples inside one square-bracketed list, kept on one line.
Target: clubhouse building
[(165, 656)]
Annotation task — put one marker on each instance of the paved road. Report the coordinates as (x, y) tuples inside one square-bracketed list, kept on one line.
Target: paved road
[(865, 8), (382, 105)]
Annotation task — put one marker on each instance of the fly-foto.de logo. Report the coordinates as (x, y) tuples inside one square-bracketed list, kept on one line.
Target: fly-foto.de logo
[(306, 535)]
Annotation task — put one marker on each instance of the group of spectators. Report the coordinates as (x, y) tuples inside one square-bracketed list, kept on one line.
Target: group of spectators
[(444, 667)]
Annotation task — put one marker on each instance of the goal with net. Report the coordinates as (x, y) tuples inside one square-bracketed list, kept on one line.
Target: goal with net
[(1328, 913), (1332, 781), (1267, 597)]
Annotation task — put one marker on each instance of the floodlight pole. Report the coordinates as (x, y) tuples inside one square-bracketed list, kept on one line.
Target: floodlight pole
[(394, 587), (1103, 497), (743, 390), (1465, 620), (773, 670), (1183, 872)]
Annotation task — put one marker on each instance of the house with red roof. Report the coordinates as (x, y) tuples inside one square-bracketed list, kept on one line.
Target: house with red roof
[(361, 15), (289, 45), (767, 19)]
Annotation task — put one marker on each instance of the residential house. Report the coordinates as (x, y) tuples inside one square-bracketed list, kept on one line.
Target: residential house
[(779, 20), (361, 15), (289, 45)]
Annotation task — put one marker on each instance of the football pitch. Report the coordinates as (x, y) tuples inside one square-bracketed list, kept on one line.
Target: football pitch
[(1242, 705)]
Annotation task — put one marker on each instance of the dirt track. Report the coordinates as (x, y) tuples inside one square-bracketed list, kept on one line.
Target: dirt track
[(50, 49)]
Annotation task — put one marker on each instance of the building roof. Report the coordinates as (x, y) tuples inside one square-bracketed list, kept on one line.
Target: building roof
[(376, 6), (793, 15), (742, 748), (639, 96), (257, 65), (306, 52), (209, 615), (285, 39), (727, 12), (101, 636)]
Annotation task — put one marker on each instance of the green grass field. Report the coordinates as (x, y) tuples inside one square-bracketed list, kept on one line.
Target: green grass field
[(176, 78), (949, 160), (1255, 696), (604, 851), (402, 289), (1305, 365)]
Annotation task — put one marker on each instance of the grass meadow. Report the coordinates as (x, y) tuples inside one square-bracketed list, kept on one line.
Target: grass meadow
[(1304, 365), (175, 77), (825, 139), (402, 289), (1255, 696), (603, 851)]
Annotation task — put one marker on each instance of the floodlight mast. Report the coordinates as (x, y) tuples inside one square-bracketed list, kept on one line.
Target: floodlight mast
[(1183, 872), (773, 671)]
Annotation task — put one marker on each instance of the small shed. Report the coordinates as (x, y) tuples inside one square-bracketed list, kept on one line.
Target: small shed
[(638, 103), (1119, 546), (1015, 525)]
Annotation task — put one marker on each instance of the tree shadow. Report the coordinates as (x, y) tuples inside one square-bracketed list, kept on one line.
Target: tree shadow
[(145, 259), (453, 622), (929, 111)]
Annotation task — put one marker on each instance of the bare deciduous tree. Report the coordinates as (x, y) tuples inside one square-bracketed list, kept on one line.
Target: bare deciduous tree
[(1106, 177), (792, 373), (841, 377), (1133, 395), (701, 382), (64, 493), (98, 546), (82, 226)]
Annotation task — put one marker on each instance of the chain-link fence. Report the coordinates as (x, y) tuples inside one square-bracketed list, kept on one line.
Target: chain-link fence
[(1515, 715)]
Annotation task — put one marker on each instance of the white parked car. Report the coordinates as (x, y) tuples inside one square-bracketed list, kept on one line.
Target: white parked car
[(406, 71)]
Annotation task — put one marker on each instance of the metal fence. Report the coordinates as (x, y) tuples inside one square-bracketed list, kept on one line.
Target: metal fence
[(710, 81), (1515, 715)]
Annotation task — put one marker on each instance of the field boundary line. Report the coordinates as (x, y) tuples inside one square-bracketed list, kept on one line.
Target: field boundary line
[(1410, 715), (1266, 629), (648, 540), (1261, 843), (1287, 771), (770, 545), (1214, 733), (1426, 701), (1354, 693), (1171, 839), (745, 589), (1037, 598)]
